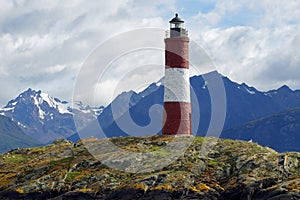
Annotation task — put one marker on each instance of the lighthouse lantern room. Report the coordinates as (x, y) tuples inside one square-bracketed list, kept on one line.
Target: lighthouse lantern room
[(177, 27)]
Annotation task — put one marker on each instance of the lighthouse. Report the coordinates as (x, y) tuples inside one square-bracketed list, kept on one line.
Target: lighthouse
[(177, 103)]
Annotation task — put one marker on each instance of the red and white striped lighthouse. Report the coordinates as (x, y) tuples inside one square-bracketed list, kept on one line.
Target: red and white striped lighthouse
[(177, 103)]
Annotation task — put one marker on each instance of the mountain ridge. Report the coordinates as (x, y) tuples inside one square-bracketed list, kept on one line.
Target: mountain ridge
[(244, 103), (280, 131), (45, 118)]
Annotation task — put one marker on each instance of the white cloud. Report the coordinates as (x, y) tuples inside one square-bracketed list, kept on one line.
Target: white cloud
[(55, 69), (44, 43), (260, 50)]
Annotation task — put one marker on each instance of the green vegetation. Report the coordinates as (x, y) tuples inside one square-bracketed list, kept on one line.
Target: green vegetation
[(62, 161), (15, 158), (208, 165), (71, 176)]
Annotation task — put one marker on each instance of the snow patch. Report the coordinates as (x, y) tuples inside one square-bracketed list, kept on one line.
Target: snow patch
[(20, 124), (7, 109), (37, 102), (268, 94), (48, 99), (204, 86), (249, 91), (41, 114), (95, 111), (62, 107)]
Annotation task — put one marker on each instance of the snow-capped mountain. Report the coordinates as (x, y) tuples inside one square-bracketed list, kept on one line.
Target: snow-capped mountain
[(45, 118)]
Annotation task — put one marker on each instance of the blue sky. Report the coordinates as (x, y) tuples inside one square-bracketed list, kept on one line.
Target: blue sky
[(191, 7), (43, 44)]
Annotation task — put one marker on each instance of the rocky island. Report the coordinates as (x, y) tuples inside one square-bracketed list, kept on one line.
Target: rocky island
[(230, 169)]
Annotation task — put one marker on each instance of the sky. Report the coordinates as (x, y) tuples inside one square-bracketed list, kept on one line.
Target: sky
[(44, 44)]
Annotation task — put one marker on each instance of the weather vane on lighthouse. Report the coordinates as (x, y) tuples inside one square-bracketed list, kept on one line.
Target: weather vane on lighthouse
[(177, 103)]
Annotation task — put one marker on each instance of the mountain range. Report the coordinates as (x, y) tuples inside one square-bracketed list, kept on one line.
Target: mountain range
[(45, 118), (243, 104)]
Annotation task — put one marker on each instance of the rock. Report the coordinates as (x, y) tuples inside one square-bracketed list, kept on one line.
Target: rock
[(161, 143), (214, 169), (83, 164), (62, 141)]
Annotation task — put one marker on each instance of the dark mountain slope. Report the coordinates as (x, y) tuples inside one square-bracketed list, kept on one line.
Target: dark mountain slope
[(12, 136), (280, 131), (243, 103)]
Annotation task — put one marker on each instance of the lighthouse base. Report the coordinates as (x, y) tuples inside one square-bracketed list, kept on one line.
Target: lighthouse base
[(177, 118)]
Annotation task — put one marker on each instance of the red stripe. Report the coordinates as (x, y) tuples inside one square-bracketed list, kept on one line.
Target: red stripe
[(177, 52), (177, 118)]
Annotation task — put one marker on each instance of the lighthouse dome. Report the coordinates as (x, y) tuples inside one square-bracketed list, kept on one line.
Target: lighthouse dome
[(176, 19)]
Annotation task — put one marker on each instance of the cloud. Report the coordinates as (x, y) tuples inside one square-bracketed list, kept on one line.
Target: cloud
[(259, 49), (44, 43)]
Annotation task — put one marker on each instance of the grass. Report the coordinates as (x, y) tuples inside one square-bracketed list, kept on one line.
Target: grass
[(13, 159), (213, 163), (67, 160), (71, 176), (195, 170), (38, 149)]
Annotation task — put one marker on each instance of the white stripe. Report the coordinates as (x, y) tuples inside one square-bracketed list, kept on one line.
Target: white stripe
[(177, 85)]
